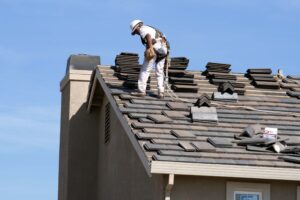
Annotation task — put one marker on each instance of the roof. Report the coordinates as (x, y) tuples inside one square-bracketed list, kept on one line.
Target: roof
[(169, 141)]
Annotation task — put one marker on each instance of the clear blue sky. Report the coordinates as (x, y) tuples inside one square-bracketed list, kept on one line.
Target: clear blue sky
[(37, 36)]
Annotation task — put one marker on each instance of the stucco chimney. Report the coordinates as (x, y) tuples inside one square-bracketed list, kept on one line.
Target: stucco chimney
[(78, 131), (82, 62)]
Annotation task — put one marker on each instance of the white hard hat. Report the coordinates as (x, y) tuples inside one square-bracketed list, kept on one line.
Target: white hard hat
[(134, 24)]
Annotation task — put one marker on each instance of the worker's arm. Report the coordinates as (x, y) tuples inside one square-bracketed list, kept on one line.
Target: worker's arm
[(149, 41), (149, 53)]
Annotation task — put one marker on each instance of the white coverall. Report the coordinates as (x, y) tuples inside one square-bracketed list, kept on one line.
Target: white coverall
[(148, 65)]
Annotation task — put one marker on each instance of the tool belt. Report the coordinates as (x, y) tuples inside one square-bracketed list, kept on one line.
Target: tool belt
[(161, 52), (150, 53)]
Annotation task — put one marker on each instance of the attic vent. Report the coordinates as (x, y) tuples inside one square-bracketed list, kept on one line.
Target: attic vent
[(107, 124)]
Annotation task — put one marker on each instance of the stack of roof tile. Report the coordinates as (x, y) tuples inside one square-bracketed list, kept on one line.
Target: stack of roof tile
[(294, 77), (293, 84), (218, 67), (262, 78), (219, 73), (128, 68), (293, 94), (179, 78), (179, 63)]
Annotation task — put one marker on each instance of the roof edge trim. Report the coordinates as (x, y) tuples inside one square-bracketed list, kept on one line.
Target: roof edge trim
[(124, 123), (230, 171)]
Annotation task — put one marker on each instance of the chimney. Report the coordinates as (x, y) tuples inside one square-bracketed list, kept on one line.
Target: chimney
[(78, 131), (82, 62)]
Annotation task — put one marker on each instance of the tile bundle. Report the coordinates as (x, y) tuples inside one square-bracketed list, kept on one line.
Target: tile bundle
[(128, 68), (219, 73), (262, 78), (179, 78), (293, 84)]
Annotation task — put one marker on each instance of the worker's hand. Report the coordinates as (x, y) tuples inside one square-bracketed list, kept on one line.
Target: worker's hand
[(150, 53)]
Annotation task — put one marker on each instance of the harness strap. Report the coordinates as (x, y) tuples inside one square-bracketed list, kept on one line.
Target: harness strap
[(158, 35)]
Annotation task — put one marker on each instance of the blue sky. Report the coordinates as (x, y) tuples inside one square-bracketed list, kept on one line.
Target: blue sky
[(37, 36)]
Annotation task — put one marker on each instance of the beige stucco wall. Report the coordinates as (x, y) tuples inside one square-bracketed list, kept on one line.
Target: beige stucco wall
[(78, 141), (121, 173), (208, 188), (90, 169)]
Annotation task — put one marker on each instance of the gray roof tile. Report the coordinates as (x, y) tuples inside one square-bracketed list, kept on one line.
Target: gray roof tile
[(145, 120), (189, 144), (137, 115), (164, 141), (159, 119), (178, 106), (142, 135), (204, 114), (155, 147), (204, 146), (220, 142), (175, 114), (218, 96), (183, 134), (293, 159)]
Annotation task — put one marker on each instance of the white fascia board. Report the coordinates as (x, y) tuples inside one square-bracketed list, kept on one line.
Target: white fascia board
[(218, 170)]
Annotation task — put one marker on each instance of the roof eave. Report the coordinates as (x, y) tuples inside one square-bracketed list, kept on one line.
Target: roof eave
[(229, 171)]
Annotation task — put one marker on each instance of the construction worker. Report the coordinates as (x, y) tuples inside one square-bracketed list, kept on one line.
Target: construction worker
[(157, 48)]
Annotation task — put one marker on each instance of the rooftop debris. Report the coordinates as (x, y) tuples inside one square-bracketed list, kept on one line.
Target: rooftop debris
[(261, 139), (252, 130)]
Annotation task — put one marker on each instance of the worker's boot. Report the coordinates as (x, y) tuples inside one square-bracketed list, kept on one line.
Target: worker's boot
[(161, 95), (138, 94)]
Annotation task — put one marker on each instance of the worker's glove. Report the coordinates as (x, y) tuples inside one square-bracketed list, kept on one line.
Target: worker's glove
[(150, 53)]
